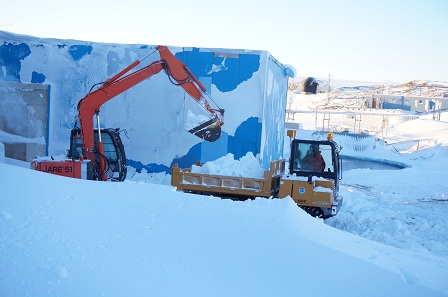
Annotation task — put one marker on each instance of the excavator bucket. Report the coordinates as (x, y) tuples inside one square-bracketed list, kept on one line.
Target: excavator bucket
[(209, 131)]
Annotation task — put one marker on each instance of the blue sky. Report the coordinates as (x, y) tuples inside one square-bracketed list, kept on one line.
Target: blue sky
[(376, 40)]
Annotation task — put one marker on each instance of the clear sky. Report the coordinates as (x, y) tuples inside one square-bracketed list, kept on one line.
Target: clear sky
[(381, 40)]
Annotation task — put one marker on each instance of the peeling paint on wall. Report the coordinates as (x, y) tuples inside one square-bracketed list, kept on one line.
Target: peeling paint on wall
[(247, 84), (10, 60), (79, 51)]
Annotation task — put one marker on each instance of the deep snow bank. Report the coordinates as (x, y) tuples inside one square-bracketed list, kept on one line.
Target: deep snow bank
[(67, 237)]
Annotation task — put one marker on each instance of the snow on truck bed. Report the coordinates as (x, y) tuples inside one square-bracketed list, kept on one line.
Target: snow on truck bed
[(246, 166)]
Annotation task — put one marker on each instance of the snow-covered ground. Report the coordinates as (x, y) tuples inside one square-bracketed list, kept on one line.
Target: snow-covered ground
[(66, 237), (403, 208)]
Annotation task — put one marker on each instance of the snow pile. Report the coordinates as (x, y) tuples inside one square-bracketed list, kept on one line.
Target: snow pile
[(12, 138), (246, 166), (193, 120), (403, 208), (148, 177)]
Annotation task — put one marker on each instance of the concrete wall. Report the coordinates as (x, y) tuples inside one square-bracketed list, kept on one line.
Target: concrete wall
[(23, 119)]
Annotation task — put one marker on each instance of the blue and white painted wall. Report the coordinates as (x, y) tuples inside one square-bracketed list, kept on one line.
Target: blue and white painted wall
[(250, 85)]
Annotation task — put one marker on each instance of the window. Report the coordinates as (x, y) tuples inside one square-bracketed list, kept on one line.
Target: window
[(109, 148), (311, 157)]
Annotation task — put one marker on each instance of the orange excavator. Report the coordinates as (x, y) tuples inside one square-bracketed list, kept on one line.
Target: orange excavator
[(98, 153)]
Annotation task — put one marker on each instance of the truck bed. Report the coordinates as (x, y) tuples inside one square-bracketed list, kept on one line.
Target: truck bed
[(185, 180)]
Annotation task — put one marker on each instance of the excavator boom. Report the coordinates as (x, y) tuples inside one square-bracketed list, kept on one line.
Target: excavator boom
[(91, 138), (90, 105), (175, 69)]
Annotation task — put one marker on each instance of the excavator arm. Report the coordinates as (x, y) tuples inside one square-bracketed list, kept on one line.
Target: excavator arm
[(91, 103), (176, 70)]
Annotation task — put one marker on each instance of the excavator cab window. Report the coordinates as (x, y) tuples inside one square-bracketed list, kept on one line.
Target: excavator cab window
[(113, 151), (109, 149), (75, 151)]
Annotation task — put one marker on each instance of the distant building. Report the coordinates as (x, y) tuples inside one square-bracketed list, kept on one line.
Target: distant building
[(410, 103), (323, 87)]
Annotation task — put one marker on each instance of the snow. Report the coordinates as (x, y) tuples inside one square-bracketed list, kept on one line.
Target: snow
[(246, 166), (11, 138), (68, 237), (194, 120)]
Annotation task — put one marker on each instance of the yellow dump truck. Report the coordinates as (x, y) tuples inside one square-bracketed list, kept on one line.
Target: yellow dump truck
[(312, 180)]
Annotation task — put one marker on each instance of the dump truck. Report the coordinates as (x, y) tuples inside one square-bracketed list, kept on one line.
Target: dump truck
[(312, 179)]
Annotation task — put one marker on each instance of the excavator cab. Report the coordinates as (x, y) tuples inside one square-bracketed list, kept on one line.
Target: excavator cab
[(114, 155)]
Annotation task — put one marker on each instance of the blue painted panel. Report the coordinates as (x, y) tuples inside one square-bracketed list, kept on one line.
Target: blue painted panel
[(37, 78), (10, 56), (214, 150), (183, 56), (79, 51), (199, 62), (230, 144), (248, 65), (226, 78), (432, 105), (388, 105), (193, 155), (247, 138), (152, 167)]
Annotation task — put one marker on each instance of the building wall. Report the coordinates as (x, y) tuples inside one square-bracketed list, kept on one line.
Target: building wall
[(23, 119), (274, 112), (410, 103), (250, 85)]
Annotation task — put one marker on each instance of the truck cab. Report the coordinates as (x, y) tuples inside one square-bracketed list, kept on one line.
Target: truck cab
[(313, 179), (302, 151)]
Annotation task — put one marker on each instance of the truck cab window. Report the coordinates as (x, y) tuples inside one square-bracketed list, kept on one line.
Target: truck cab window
[(309, 157)]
